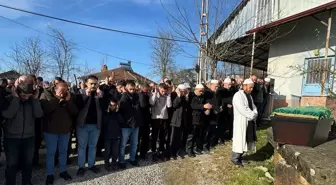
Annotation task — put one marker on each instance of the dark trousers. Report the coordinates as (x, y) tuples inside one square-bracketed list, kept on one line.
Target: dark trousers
[(210, 135), (259, 109), (229, 125), (178, 138), (160, 128), (144, 139), (111, 150), (196, 138), (19, 152), (38, 141), (237, 157)]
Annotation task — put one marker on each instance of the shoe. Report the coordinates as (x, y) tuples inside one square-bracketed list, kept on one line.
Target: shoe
[(155, 158), (174, 156), (238, 164), (191, 154), (81, 172), (142, 157), (221, 142), (108, 167), (206, 151), (134, 163), (50, 180), (115, 166), (122, 166), (94, 169), (65, 175), (198, 152)]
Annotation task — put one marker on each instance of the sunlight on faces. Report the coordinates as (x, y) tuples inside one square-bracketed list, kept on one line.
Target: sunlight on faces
[(254, 78), (183, 92), (110, 81), (92, 84), (199, 92), (61, 89), (145, 89), (130, 88), (113, 106), (162, 91), (213, 87), (248, 88), (227, 85)]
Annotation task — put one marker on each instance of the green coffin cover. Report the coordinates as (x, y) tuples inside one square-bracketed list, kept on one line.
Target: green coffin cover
[(310, 111)]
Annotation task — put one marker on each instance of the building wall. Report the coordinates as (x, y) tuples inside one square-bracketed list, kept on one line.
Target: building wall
[(298, 41)]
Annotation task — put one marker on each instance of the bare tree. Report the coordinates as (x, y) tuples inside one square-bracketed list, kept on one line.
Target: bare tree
[(28, 57), (184, 76), (181, 22), (163, 55), (61, 54)]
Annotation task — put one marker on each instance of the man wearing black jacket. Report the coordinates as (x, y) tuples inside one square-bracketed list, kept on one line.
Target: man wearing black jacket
[(130, 112), (211, 120), (225, 119), (144, 129), (89, 121), (200, 109), (179, 120)]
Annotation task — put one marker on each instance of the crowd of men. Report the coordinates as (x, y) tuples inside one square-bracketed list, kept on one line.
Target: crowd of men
[(168, 120)]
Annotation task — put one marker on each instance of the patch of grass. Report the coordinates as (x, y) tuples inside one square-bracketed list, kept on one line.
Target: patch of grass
[(217, 168), (247, 175)]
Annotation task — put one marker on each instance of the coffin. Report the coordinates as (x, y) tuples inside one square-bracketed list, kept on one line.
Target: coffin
[(301, 126)]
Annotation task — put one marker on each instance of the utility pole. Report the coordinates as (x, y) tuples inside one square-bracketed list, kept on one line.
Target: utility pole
[(204, 35)]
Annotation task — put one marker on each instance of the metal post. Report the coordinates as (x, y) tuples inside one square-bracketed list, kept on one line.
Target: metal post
[(254, 38), (325, 65)]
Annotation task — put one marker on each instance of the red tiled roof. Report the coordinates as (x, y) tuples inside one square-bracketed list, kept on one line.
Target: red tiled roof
[(121, 74)]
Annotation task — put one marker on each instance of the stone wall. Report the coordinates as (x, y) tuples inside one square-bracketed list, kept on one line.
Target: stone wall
[(320, 101), (298, 165)]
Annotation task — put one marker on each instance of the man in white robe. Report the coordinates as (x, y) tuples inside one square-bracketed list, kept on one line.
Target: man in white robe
[(244, 123)]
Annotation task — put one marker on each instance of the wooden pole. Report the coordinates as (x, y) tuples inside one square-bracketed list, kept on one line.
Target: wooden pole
[(325, 65)]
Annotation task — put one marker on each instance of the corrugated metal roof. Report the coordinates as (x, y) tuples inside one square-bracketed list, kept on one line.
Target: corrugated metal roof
[(294, 17)]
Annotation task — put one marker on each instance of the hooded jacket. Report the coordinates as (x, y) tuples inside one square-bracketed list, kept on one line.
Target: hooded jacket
[(19, 116)]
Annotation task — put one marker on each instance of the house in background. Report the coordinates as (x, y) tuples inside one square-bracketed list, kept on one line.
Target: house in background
[(10, 75), (123, 72), (287, 35)]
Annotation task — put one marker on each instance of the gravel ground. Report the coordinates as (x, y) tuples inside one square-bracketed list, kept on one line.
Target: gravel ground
[(146, 174)]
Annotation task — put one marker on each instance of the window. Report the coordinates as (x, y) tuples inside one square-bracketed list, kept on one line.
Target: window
[(315, 69)]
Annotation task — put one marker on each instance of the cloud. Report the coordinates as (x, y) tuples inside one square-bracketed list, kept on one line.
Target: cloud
[(23, 4)]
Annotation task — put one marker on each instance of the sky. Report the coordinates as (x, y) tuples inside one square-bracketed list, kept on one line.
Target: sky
[(140, 16)]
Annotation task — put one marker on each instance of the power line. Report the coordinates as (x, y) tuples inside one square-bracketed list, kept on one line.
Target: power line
[(93, 26), (93, 50)]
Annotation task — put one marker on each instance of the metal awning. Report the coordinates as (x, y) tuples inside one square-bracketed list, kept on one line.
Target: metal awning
[(238, 51), (295, 17)]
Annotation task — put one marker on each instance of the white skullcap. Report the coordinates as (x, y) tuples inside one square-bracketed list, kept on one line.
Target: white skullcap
[(199, 86), (227, 80), (186, 85), (214, 81), (181, 86), (267, 80), (248, 81)]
